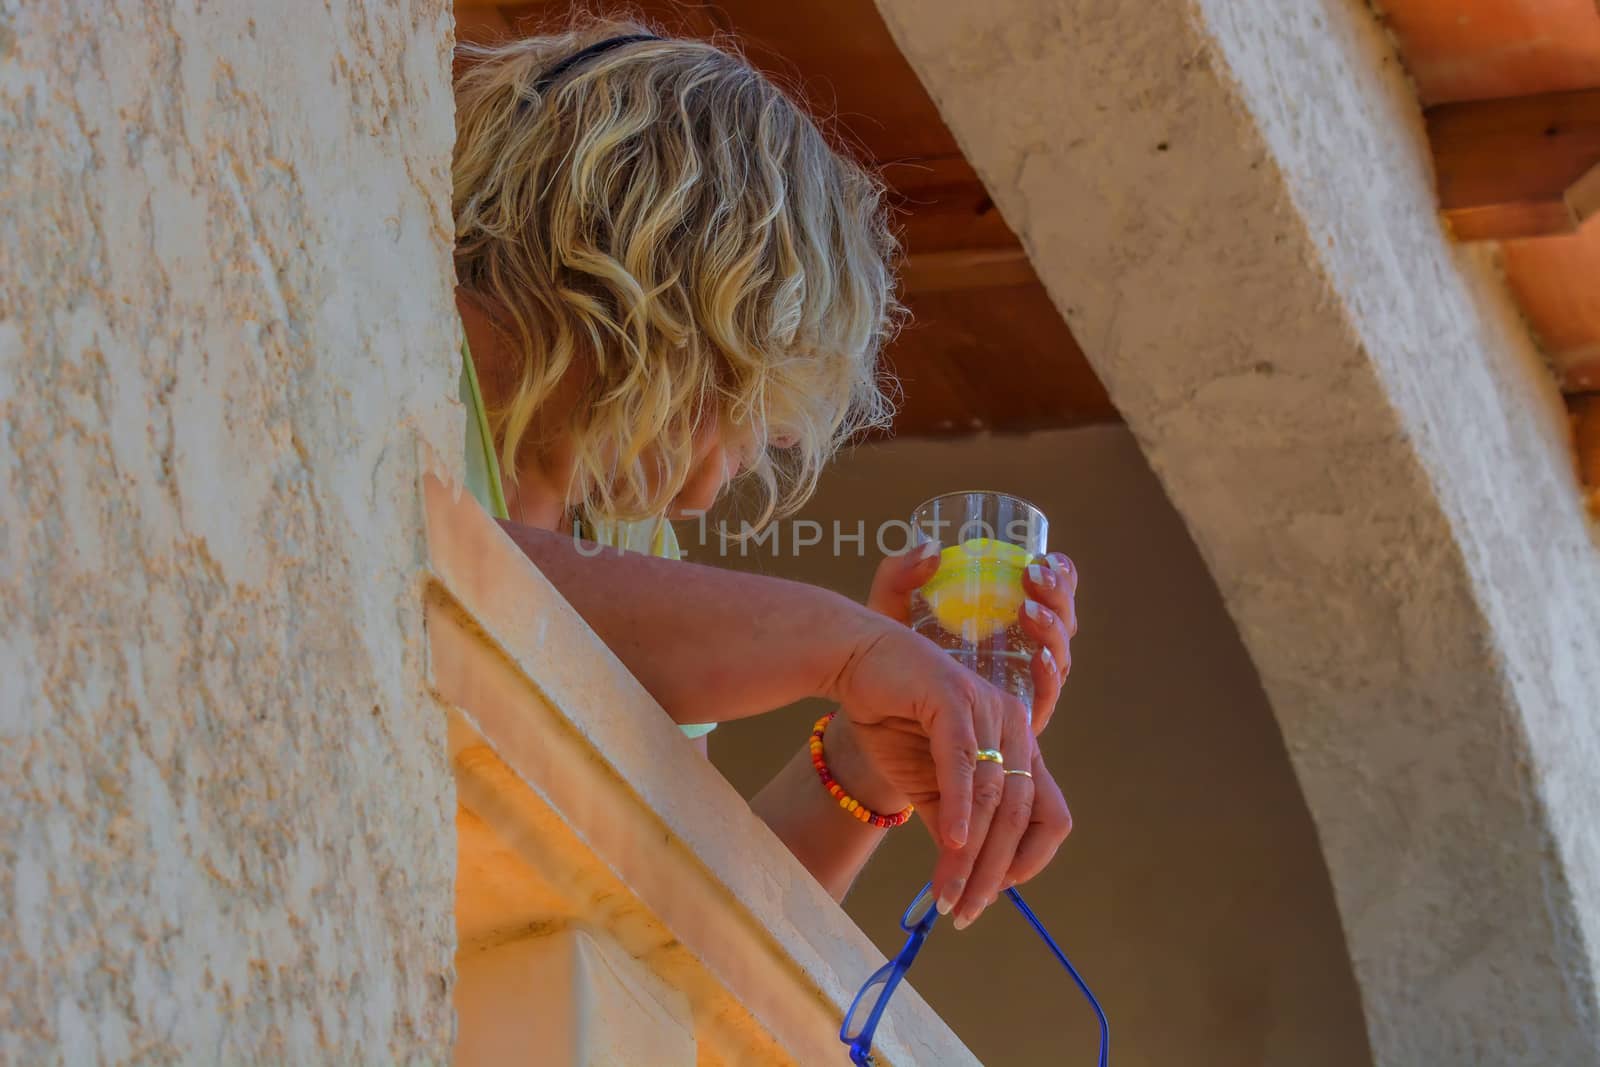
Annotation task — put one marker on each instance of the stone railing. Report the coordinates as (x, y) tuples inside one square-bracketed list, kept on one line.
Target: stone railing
[(616, 900)]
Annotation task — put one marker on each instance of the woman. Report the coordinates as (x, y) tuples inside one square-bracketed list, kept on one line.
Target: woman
[(669, 280)]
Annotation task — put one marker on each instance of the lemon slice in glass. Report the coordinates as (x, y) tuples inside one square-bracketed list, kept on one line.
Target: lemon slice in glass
[(977, 590)]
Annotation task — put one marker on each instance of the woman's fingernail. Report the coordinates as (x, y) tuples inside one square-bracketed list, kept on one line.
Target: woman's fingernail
[(1059, 562), (1048, 659), (970, 916), (951, 894), (1037, 611), (928, 550), (1041, 577)]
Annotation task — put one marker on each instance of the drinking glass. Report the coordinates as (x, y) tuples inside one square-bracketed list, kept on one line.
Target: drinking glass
[(972, 605)]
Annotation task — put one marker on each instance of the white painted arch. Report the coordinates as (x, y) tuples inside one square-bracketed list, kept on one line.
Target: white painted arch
[(1230, 202)]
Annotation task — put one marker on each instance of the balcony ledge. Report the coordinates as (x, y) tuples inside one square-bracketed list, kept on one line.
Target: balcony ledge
[(580, 805)]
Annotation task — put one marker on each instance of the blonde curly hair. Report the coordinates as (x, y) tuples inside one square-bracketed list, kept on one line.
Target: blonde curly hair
[(664, 220)]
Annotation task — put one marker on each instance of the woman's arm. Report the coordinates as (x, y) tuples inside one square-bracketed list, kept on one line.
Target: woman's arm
[(828, 841), (713, 645), (710, 645)]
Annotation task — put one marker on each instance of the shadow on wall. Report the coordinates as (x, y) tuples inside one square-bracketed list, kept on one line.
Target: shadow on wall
[(1193, 893)]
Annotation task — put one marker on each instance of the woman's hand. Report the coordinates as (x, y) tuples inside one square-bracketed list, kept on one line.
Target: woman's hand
[(1049, 615), (916, 720), (886, 768), (1024, 820)]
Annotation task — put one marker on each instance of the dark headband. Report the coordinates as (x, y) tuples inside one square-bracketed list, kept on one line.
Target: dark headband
[(551, 76)]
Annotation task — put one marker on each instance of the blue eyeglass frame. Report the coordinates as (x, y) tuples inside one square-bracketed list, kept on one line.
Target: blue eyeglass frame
[(892, 972)]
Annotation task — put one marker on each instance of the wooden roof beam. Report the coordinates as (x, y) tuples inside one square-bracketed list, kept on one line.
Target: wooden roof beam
[(1519, 167), (1586, 432), (974, 268)]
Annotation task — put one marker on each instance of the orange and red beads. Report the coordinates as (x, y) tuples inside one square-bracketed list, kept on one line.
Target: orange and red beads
[(836, 791)]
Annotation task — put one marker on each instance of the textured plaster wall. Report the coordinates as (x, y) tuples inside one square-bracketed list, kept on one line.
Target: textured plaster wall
[(225, 332), (1231, 204)]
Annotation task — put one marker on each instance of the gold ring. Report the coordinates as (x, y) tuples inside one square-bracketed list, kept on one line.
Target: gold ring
[(991, 755), (1019, 770)]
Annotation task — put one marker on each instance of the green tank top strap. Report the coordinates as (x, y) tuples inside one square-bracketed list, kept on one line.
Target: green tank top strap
[(483, 467)]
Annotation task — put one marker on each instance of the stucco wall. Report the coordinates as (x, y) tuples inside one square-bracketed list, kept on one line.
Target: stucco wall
[(225, 329), (1230, 202)]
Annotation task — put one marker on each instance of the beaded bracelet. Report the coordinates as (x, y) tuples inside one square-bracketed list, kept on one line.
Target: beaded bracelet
[(836, 791)]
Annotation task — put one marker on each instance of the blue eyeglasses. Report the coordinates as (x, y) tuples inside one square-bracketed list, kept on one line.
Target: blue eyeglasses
[(866, 1010)]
